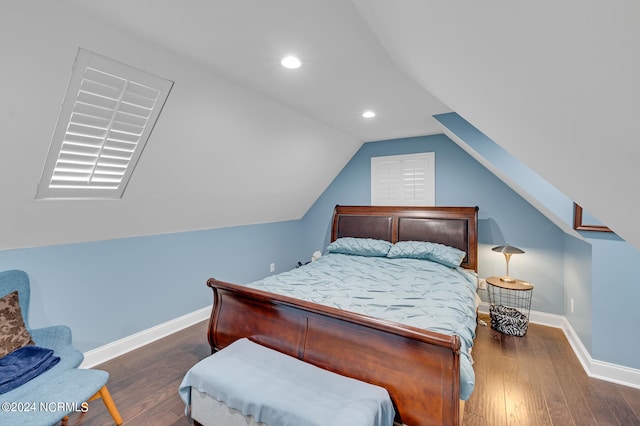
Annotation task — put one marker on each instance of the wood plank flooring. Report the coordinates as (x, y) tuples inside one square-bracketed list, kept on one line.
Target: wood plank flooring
[(144, 383), (530, 380), (538, 380)]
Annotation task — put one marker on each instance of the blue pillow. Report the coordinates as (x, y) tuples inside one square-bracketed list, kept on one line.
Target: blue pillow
[(360, 246), (440, 253)]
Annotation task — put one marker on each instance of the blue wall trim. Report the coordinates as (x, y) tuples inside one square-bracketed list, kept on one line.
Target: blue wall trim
[(547, 194)]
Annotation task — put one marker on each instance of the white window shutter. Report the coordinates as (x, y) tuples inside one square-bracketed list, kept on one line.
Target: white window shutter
[(403, 180), (106, 118)]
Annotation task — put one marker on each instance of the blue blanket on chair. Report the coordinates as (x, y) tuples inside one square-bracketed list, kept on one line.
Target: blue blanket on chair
[(24, 364)]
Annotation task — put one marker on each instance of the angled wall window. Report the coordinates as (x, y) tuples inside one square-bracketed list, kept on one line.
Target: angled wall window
[(107, 115), (403, 180)]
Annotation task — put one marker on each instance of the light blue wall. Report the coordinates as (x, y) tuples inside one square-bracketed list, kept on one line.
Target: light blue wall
[(577, 286), (107, 290), (601, 275), (600, 271), (615, 297), (504, 216)]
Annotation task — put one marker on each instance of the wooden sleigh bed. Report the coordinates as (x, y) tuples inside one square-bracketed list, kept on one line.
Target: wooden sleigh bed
[(419, 368)]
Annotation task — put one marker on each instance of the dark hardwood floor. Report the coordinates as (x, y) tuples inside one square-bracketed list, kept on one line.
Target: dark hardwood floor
[(530, 380), (538, 380), (144, 383)]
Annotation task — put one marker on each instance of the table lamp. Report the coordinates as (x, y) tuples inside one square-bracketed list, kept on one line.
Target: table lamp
[(507, 250)]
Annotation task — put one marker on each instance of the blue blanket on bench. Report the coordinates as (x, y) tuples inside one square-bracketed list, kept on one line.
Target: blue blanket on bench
[(24, 364), (278, 389)]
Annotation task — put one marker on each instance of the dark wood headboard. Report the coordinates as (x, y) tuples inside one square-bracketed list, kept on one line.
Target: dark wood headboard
[(453, 226)]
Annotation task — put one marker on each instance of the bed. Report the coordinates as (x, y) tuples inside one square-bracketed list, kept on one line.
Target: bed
[(421, 368)]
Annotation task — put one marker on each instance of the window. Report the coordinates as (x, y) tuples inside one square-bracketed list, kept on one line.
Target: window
[(403, 180), (107, 115)]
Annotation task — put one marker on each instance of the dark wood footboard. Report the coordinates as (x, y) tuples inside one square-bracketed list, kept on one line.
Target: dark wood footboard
[(419, 368)]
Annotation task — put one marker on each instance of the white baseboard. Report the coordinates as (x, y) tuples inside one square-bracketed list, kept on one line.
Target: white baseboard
[(596, 369), (120, 347)]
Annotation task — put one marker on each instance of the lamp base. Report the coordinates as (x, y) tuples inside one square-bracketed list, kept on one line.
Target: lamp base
[(507, 279)]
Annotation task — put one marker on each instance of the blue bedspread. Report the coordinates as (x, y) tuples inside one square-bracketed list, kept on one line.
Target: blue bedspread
[(24, 364), (414, 292)]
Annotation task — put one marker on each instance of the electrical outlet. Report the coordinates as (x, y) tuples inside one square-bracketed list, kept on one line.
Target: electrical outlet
[(272, 267), (571, 305), (482, 284)]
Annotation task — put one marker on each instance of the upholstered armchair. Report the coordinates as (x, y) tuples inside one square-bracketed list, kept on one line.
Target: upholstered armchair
[(57, 337), (50, 396)]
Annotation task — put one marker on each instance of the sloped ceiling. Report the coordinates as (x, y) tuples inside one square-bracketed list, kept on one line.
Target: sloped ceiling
[(554, 83), (242, 140)]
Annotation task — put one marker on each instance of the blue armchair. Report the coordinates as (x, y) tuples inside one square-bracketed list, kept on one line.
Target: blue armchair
[(57, 337), (51, 396)]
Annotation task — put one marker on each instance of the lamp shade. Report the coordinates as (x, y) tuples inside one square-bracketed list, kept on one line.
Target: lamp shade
[(507, 250)]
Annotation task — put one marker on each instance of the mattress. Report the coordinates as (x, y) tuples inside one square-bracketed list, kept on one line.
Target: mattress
[(415, 292)]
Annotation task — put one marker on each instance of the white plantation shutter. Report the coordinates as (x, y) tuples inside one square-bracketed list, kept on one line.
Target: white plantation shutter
[(106, 118), (403, 180)]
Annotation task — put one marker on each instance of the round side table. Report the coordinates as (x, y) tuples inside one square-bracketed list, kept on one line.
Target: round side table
[(509, 305)]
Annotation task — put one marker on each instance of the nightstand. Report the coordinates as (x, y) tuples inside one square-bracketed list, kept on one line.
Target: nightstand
[(510, 305)]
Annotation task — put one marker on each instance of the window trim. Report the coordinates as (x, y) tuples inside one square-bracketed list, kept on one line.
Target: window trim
[(377, 185), (87, 60)]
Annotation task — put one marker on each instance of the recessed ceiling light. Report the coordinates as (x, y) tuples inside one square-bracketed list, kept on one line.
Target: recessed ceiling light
[(368, 114), (291, 62)]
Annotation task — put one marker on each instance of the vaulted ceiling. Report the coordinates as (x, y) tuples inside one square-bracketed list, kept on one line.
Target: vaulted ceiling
[(554, 83)]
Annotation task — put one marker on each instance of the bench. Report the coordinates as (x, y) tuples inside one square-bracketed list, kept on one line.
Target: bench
[(269, 387)]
